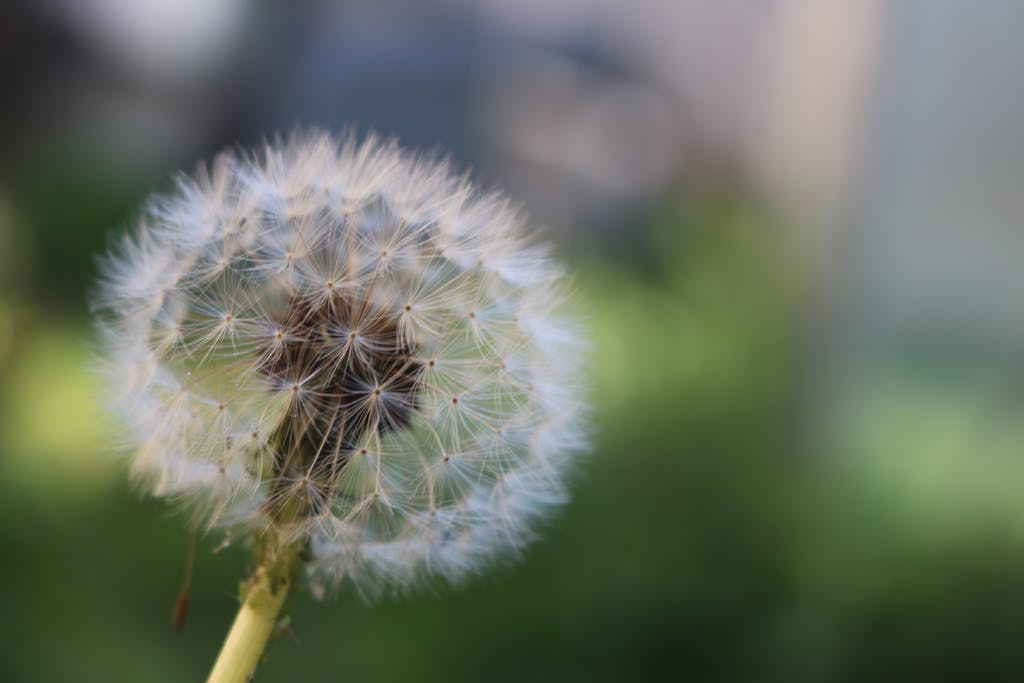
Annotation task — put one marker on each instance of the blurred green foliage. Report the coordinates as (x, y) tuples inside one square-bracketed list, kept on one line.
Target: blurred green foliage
[(726, 528)]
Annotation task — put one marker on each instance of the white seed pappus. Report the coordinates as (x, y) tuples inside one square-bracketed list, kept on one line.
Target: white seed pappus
[(349, 344)]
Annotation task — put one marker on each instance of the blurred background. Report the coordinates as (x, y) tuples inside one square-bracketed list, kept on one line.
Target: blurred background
[(796, 228)]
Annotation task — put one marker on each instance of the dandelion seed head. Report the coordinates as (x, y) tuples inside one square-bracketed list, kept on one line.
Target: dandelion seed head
[(349, 344)]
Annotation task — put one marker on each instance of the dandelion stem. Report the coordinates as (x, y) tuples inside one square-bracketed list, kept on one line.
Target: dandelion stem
[(244, 645)]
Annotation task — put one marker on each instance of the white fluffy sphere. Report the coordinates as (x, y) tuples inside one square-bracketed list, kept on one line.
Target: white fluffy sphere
[(349, 345)]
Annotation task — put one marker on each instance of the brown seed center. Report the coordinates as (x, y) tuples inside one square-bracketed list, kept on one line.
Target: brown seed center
[(351, 384)]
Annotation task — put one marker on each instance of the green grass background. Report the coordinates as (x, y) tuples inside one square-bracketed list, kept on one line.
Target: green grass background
[(731, 524)]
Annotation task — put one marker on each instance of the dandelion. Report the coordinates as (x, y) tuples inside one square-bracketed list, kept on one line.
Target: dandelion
[(350, 354)]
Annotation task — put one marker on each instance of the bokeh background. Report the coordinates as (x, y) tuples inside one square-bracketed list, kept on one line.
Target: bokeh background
[(796, 227)]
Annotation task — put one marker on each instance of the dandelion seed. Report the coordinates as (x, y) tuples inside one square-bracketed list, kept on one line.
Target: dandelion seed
[(346, 348)]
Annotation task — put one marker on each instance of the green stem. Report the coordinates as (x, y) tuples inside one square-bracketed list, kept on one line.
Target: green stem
[(244, 645)]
